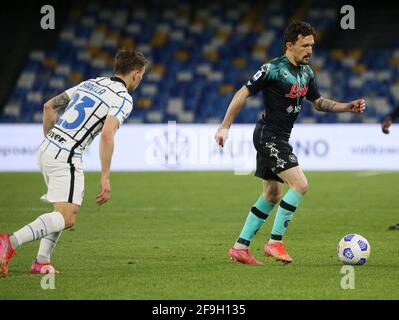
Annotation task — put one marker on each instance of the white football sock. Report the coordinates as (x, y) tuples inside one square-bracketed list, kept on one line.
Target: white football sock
[(238, 245), (47, 246), (44, 225), (271, 241)]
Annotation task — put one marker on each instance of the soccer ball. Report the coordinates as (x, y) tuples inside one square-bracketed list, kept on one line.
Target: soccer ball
[(353, 249)]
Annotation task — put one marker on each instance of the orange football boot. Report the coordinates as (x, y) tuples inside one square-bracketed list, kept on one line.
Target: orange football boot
[(6, 253), (43, 268), (243, 256), (277, 251)]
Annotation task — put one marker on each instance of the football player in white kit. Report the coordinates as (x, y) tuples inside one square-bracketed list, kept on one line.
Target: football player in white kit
[(93, 106)]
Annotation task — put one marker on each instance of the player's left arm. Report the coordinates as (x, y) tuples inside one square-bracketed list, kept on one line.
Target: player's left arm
[(50, 110), (328, 105), (108, 131)]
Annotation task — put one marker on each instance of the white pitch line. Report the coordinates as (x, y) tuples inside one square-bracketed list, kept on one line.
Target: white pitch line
[(372, 173)]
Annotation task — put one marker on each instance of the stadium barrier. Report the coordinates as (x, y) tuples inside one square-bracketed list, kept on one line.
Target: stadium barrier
[(192, 147)]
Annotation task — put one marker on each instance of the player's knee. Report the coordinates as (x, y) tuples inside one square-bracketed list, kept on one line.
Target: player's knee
[(273, 197), (301, 187), (70, 221), (69, 217)]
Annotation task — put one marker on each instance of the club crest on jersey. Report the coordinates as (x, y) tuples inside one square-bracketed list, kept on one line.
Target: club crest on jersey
[(292, 158), (296, 91)]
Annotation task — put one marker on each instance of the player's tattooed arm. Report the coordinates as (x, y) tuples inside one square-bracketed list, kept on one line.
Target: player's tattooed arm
[(60, 101), (50, 111), (324, 105), (328, 105)]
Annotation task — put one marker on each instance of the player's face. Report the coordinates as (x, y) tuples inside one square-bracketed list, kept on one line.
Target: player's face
[(302, 49), (137, 76)]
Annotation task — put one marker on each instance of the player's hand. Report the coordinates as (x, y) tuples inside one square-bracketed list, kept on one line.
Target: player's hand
[(221, 136), (386, 124), (105, 193), (357, 106)]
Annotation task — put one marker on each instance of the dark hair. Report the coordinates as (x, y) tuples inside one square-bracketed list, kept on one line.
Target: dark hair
[(295, 29), (127, 60)]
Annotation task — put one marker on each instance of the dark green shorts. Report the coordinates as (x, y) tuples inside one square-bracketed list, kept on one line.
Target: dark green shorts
[(273, 155)]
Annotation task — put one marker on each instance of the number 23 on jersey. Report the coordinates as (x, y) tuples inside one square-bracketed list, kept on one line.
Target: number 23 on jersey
[(75, 113)]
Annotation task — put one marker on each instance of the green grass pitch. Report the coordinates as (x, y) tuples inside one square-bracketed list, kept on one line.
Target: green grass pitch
[(166, 236)]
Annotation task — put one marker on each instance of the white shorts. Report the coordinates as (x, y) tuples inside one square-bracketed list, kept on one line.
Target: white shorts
[(65, 181)]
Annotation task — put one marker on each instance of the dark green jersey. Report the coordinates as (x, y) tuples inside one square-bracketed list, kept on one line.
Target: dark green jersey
[(284, 86)]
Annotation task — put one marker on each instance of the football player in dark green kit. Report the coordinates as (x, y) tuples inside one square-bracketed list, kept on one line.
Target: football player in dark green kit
[(385, 128), (284, 82)]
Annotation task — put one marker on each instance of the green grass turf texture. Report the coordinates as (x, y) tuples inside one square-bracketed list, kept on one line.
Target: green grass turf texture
[(166, 236)]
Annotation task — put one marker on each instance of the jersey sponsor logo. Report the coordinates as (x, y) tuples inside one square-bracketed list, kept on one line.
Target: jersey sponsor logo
[(56, 137), (297, 91), (294, 109)]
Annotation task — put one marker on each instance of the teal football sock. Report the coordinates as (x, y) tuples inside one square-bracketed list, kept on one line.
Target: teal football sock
[(285, 211), (255, 219)]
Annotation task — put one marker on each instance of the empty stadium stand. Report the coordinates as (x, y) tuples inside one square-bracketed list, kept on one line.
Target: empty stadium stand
[(200, 55)]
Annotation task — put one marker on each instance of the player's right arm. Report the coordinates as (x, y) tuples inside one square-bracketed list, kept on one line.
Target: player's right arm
[(234, 108), (50, 110), (389, 120), (254, 85)]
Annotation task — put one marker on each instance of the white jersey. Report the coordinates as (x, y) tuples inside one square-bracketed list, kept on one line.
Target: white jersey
[(90, 103)]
